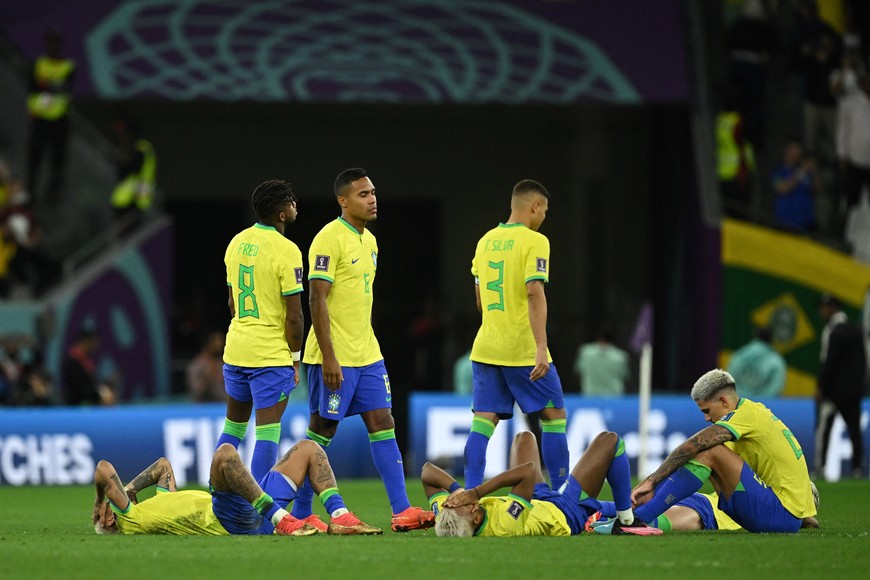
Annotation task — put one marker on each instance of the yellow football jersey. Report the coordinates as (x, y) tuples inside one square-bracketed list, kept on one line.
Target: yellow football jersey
[(342, 256), (181, 513), (510, 516), (766, 444), (506, 259), (262, 268)]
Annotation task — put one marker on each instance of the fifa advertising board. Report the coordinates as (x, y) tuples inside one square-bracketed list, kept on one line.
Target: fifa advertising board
[(61, 446)]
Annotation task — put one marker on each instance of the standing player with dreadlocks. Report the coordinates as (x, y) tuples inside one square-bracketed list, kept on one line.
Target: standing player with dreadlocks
[(264, 341)]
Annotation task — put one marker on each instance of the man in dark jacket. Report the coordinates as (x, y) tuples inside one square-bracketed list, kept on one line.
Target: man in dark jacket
[(841, 381)]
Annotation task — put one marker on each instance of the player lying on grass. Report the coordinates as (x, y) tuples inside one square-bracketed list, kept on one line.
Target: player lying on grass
[(751, 458), (532, 508), (237, 505)]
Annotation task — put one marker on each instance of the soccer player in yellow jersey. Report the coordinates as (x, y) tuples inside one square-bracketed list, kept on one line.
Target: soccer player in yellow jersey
[(510, 359), (532, 508), (264, 341), (344, 365), (237, 504), (753, 461)]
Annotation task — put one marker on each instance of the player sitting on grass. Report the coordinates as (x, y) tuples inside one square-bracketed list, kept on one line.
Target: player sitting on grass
[(237, 505), (751, 458), (532, 508), (699, 511)]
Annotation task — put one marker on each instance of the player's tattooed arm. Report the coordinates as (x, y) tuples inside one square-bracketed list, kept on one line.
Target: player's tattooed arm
[(158, 473), (704, 439)]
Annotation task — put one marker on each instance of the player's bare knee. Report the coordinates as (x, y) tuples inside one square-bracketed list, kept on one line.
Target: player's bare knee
[(224, 453), (606, 438), (525, 438)]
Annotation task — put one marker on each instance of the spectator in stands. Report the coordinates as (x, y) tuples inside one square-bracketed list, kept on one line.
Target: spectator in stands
[(853, 141), (81, 382), (205, 372), (602, 367), (133, 195), (750, 41), (735, 156), (462, 377), (48, 105), (758, 368), (821, 58), (7, 253), (794, 183), (841, 381), (31, 263)]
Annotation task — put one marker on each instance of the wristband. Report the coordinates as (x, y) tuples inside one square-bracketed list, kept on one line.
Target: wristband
[(454, 486), (296, 355)]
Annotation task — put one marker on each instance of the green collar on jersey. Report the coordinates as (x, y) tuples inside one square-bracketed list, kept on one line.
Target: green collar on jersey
[(264, 227), (350, 227), (515, 225)]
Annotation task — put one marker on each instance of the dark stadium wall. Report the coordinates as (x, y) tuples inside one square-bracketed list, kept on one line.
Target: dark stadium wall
[(617, 175)]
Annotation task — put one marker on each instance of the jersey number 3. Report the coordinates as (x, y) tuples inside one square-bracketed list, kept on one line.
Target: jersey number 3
[(497, 286)]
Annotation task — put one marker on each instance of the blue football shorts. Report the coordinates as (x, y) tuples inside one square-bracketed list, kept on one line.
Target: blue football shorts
[(756, 508), (238, 516), (704, 509), (363, 389), (496, 388), (567, 499), (266, 386)]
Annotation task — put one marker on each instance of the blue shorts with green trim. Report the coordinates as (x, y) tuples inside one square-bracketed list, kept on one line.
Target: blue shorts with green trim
[(265, 386), (756, 508), (567, 499), (240, 518), (703, 508), (496, 388), (363, 389)]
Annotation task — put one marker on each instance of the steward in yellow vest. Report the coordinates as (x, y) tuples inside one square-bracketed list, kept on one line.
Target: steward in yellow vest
[(48, 106)]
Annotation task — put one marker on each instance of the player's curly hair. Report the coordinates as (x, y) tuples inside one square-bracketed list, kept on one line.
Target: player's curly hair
[(450, 524), (270, 196), (347, 177)]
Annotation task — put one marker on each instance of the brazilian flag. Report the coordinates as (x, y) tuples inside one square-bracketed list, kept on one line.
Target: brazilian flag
[(775, 279)]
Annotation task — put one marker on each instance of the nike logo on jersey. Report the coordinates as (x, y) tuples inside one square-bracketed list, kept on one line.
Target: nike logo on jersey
[(354, 261)]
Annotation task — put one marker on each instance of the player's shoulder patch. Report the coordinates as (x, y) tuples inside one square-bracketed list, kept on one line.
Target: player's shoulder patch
[(541, 264), (516, 509), (298, 272), (728, 416), (321, 263)]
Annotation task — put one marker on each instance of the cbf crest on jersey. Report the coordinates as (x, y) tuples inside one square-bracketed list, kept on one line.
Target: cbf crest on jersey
[(375, 259), (333, 403)]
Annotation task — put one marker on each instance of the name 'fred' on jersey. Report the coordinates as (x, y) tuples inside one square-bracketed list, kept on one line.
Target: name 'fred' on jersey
[(506, 259)]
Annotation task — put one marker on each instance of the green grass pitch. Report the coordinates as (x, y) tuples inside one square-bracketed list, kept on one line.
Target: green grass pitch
[(45, 533)]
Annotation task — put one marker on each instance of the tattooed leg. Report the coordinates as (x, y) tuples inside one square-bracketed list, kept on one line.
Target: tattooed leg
[(229, 474)]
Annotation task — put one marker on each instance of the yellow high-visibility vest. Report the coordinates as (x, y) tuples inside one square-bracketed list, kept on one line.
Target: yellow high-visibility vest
[(50, 72), (728, 153), (138, 187)]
